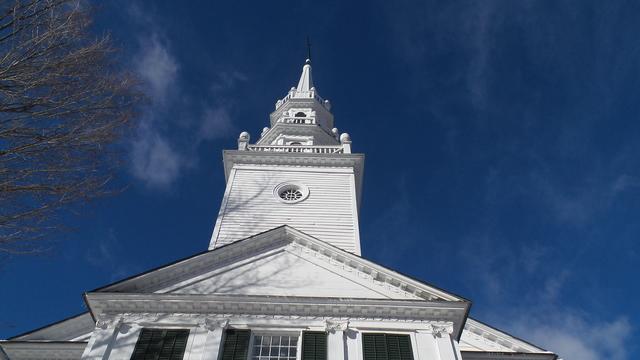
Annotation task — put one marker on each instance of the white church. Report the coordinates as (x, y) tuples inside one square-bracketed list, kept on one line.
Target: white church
[(283, 278)]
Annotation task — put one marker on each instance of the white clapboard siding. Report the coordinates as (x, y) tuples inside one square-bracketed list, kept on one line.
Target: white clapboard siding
[(328, 213)]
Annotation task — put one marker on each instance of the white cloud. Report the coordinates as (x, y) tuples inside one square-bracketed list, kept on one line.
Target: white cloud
[(574, 337), (155, 161), (216, 123), (164, 148), (157, 67)]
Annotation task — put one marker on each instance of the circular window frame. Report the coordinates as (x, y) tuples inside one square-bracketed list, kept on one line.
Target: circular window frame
[(285, 186)]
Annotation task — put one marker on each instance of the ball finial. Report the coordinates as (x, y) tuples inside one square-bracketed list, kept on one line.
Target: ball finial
[(345, 138)]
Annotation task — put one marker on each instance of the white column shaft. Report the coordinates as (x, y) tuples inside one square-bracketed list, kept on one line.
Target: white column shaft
[(212, 344), (445, 347), (426, 346), (336, 344), (354, 345)]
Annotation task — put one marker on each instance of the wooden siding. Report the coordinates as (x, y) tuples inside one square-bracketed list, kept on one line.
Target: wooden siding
[(329, 213)]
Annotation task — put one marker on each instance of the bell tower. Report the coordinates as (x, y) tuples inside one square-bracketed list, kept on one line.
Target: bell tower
[(300, 172)]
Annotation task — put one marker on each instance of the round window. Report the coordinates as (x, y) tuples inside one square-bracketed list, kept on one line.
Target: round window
[(291, 192)]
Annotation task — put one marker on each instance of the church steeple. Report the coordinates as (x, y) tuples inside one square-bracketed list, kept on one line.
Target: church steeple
[(300, 172), (306, 80)]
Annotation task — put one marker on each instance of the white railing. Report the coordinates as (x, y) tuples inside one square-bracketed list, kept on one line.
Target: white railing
[(297, 149), (294, 94), (297, 120)]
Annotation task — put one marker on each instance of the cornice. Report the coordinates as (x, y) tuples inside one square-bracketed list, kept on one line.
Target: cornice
[(190, 267), (476, 328), (105, 305), (299, 243), (45, 350), (487, 355), (231, 157)]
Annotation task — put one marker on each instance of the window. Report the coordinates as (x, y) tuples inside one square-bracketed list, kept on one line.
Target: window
[(301, 114), (291, 193), (236, 344), (314, 345), (161, 344), (274, 347), (386, 347), (295, 143)]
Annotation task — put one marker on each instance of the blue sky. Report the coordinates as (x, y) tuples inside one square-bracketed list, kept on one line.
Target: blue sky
[(502, 144)]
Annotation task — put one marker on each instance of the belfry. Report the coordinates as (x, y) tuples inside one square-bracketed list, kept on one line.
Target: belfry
[(283, 277)]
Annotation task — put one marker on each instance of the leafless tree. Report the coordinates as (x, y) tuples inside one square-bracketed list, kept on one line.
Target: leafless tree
[(64, 104)]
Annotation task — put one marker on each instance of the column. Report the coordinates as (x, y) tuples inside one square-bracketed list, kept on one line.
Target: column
[(426, 346), (442, 335), (213, 340), (353, 344), (336, 339), (101, 340)]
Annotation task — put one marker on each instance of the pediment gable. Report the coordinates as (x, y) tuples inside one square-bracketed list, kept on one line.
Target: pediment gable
[(284, 271), (482, 338), (281, 261)]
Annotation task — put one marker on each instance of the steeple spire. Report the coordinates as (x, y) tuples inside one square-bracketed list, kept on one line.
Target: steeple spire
[(306, 81)]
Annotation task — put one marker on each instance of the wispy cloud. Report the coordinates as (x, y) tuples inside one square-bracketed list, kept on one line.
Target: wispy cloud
[(216, 123), (105, 255), (154, 160), (162, 148), (575, 337), (156, 66)]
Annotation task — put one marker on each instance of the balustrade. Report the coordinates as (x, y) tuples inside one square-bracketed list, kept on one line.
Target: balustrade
[(297, 149)]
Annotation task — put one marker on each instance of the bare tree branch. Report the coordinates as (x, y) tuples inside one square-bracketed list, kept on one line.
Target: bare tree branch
[(63, 105)]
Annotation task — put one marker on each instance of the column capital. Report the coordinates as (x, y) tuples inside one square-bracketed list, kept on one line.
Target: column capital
[(331, 326), (212, 324), (441, 330), (105, 322)]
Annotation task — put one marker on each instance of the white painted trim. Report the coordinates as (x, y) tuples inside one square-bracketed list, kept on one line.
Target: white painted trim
[(41, 350), (356, 213), (223, 209), (315, 169), (271, 239)]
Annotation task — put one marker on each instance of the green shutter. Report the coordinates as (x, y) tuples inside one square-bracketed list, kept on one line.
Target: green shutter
[(161, 344), (236, 344), (314, 345), (386, 347)]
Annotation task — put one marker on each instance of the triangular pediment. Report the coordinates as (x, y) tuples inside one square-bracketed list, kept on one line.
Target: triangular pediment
[(284, 271), (280, 262)]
